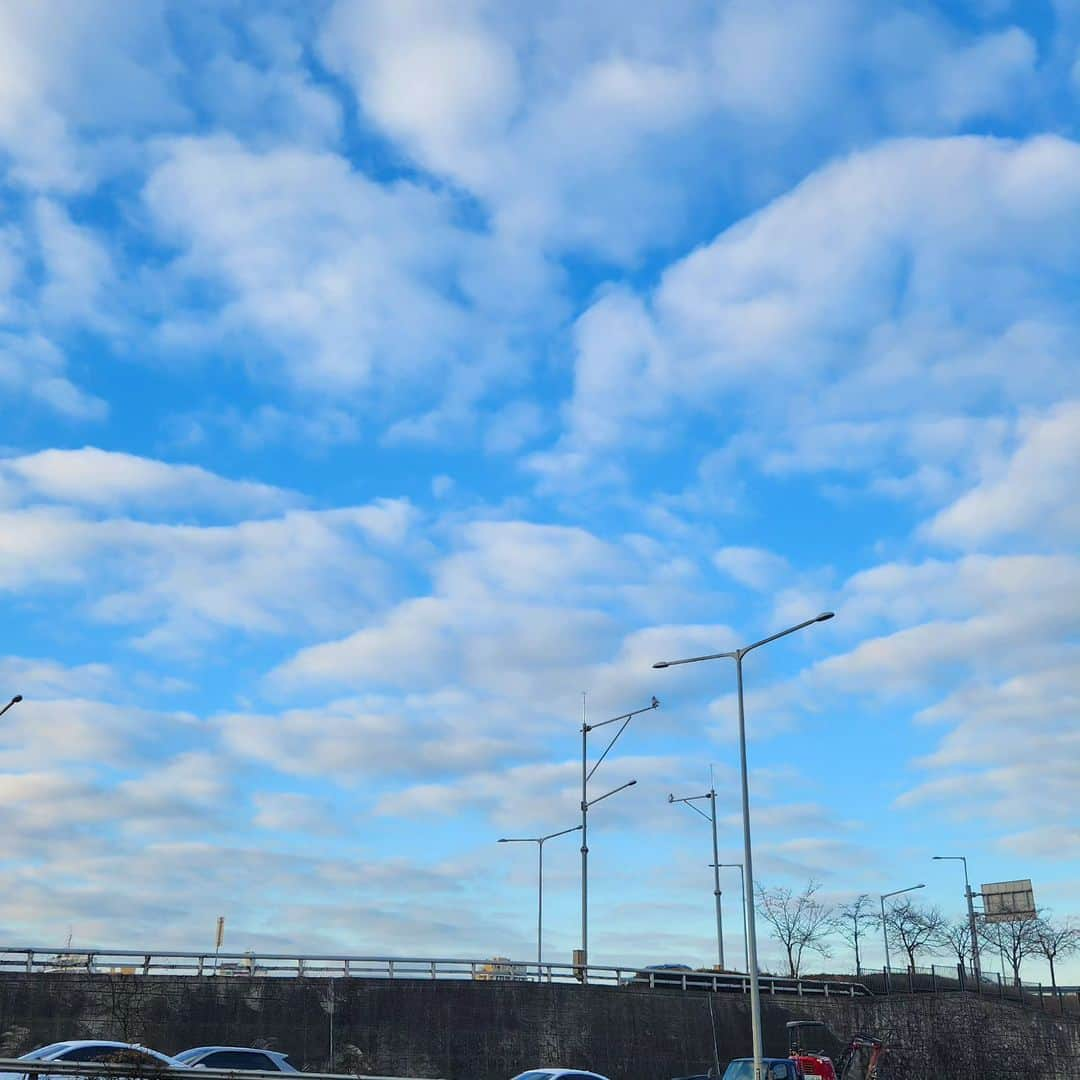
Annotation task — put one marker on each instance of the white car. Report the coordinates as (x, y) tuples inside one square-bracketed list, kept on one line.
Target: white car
[(236, 1057), (559, 1074), (100, 1050)]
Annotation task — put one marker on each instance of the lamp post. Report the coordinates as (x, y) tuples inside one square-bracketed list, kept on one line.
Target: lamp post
[(711, 816), (973, 930), (742, 889), (14, 701), (586, 802), (539, 841), (751, 933), (885, 929)]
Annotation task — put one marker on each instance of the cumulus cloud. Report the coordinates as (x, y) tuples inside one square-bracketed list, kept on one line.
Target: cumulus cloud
[(589, 130), (503, 607), (31, 366), (89, 733), (298, 571), (351, 740), (403, 223), (350, 286), (43, 677), (1032, 495), (67, 113), (752, 567), (112, 480), (871, 290)]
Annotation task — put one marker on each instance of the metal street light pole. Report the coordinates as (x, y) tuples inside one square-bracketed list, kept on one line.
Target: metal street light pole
[(973, 930), (14, 701), (689, 801), (539, 841), (586, 776), (742, 890), (748, 863), (885, 929)]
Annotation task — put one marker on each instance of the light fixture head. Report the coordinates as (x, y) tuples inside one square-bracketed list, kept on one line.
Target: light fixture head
[(660, 664), (16, 699), (825, 616)]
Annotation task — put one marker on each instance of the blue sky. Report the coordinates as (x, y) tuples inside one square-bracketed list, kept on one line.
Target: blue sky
[(379, 377)]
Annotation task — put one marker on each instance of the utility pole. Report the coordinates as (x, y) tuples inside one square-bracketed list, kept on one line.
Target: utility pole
[(689, 801), (586, 802), (973, 927)]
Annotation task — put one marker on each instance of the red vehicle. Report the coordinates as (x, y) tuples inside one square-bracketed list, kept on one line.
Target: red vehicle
[(806, 1039)]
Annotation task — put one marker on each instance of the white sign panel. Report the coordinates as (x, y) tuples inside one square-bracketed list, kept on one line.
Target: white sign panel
[(1008, 901)]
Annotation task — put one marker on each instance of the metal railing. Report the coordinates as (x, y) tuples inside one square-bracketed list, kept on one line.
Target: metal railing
[(957, 978), (153, 1070), (40, 960)]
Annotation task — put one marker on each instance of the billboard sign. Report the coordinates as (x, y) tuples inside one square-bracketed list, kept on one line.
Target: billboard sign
[(1008, 901)]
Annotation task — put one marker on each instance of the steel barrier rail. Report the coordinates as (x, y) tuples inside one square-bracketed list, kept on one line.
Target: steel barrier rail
[(41, 960), (148, 1071)]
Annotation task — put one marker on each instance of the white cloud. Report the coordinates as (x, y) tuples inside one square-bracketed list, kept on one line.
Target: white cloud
[(590, 129), (529, 795), (348, 284), (112, 480), (33, 367), (80, 278), (432, 74), (49, 678), (1032, 496), (63, 106), (515, 608), (871, 291), (952, 617), (257, 85), (292, 573), (88, 733), (354, 739), (755, 568), (506, 598), (280, 811), (989, 638)]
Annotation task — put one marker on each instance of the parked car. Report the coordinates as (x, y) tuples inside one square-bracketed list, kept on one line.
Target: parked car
[(99, 1050), (660, 973), (236, 1057), (772, 1069), (558, 1074)]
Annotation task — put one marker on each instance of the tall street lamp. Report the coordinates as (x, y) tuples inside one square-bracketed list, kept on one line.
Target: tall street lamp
[(586, 802), (751, 933), (539, 841), (14, 701), (976, 964), (742, 889), (885, 929), (689, 801)]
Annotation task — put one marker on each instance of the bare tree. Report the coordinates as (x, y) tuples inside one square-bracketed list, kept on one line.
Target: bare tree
[(798, 920), (914, 929), (1055, 941), (852, 921), (957, 935), (1013, 940)]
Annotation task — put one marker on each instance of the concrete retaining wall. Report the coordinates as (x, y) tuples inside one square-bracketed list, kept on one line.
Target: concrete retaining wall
[(490, 1031)]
